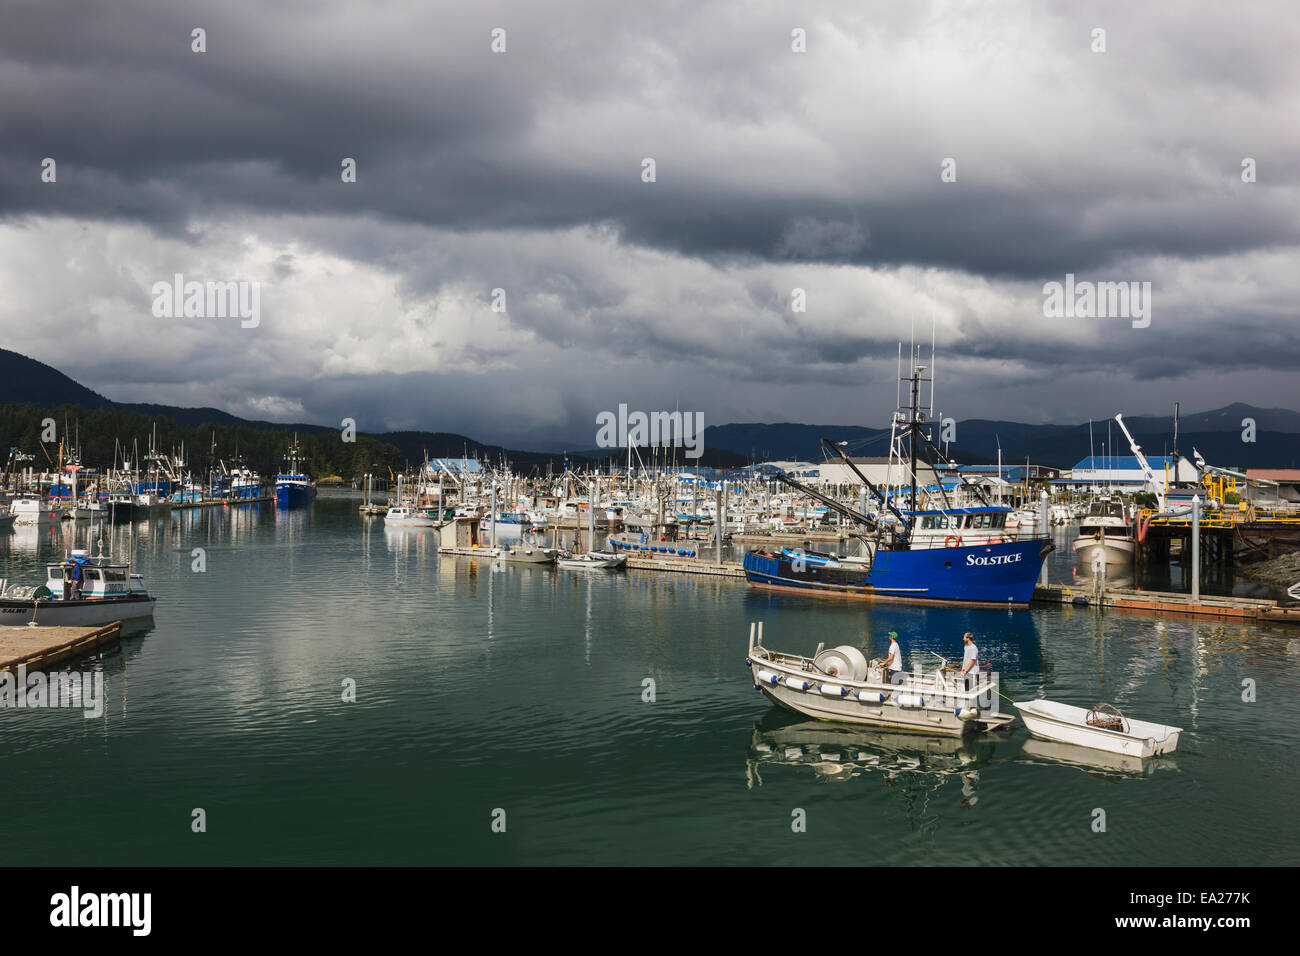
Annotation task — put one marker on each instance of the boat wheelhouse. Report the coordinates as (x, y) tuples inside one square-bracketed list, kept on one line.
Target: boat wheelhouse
[(955, 527)]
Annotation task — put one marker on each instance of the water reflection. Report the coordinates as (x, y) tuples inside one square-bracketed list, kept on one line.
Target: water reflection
[(1096, 763), (914, 765)]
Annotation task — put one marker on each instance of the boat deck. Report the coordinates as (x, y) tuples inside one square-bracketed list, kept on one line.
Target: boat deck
[(42, 647)]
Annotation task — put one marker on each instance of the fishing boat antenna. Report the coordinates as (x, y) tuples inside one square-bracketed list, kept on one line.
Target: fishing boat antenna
[(1176, 404), (932, 375), (898, 388)]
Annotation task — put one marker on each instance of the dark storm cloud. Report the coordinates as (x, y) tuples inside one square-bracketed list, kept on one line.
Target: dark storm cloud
[(775, 170), (443, 132)]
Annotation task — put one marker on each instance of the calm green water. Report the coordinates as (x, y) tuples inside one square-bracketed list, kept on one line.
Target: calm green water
[(521, 689)]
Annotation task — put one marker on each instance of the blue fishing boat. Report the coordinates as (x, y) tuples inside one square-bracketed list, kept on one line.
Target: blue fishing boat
[(899, 561), (984, 574), (294, 488)]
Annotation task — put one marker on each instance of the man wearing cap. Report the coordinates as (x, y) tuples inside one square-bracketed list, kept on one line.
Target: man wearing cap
[(970, 665), (894, 662)]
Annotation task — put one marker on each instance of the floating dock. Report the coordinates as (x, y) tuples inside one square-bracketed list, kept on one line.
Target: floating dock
[(45, 647), (1168, 602), (684, 566), (218, 502), (486, 554)]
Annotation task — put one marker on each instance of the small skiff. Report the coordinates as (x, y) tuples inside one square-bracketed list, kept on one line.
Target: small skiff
[(1097, 730), (528, 555), (593, 561)]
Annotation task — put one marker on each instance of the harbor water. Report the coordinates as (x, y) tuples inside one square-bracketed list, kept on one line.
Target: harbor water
[(529, 715)]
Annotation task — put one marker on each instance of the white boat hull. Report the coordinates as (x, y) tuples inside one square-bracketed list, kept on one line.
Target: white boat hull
[(593, 564), (1114, 550), (411, 521), (84, 613), (1051, 720), (522, 556)]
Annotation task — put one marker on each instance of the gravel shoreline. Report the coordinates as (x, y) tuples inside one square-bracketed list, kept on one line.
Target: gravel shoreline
[(1282, 571)]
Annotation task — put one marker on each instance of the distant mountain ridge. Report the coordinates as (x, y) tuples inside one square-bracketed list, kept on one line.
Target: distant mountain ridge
[(1215, 433)]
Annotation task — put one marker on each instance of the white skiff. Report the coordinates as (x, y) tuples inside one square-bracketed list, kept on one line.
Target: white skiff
[(1133, 738), (593, 561)]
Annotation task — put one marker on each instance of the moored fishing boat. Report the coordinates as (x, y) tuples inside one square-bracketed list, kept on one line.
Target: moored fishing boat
[(986, 574), (899, 559), (109, 592), (407, 517), (293, 487), (1105, 533), (33, 509), (840, 684)]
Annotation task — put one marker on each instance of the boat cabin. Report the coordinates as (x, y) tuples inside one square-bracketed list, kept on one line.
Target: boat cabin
[(99, 579), (960, 519)]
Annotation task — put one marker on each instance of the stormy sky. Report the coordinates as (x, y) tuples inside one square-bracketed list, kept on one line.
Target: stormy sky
[(774, 170)]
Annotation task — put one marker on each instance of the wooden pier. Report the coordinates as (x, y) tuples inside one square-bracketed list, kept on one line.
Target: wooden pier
[(46, 647), (1166, 602)]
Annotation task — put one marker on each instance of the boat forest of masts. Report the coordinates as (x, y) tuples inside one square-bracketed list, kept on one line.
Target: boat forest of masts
[(869, 536)]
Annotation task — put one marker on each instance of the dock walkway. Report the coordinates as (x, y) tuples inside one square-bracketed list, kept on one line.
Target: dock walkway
[(1166, 602), (43, 647), (726, 569)]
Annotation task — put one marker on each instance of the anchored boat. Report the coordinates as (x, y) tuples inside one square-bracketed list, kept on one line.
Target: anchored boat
[(841, 685), (109, 592), (293, 488)]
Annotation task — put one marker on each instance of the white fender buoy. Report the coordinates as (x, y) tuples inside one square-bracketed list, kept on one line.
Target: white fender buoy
[(796, 683), (967, 713), (870, 696), (910, 700), (767, 677), (834, 690)]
